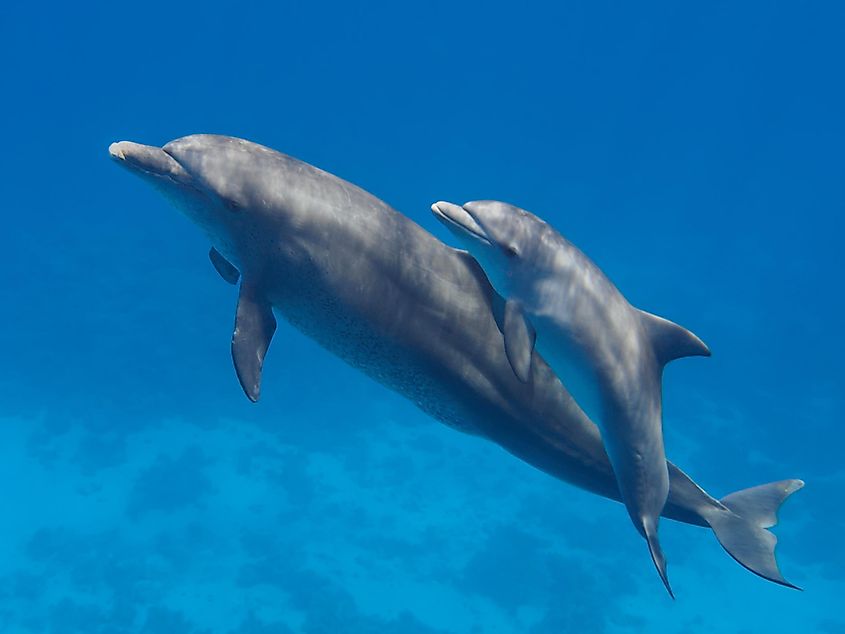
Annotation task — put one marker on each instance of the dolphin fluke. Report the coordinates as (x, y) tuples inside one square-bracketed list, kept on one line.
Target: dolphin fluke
[(741, 522), (657, 556)]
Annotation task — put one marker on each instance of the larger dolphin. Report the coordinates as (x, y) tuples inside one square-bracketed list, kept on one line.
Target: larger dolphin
[(390, 299), (609, 355)]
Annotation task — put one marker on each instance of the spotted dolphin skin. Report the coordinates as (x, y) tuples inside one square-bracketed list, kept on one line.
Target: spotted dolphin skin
[(390, 299), (609, 355)]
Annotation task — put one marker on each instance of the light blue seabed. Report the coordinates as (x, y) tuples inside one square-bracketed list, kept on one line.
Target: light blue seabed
[(694, 154)]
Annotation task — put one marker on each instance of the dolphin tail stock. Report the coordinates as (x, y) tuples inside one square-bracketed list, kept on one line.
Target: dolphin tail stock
[(741, 524), (656, 552)]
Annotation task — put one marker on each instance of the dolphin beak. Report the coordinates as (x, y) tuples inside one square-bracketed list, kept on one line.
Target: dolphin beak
[(148, 159), (116, 150), (459, 222)]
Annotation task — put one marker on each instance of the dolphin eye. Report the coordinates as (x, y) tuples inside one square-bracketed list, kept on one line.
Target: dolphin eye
[(231, 205), (511, 251)]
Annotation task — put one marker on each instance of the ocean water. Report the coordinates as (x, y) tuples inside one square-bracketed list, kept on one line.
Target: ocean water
[(694, 152)]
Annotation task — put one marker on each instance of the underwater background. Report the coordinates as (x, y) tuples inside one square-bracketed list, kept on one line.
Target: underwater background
[(695, 152)]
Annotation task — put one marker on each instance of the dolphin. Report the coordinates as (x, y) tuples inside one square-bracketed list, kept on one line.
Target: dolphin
[(608, 354), (418, 316)]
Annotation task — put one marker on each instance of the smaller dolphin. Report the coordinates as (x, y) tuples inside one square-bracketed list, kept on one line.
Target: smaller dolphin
[(608, 354)]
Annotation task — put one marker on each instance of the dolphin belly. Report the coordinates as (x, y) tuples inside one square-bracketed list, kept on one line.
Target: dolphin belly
[(574, 370)]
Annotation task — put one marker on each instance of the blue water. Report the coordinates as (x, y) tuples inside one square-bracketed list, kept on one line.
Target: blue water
[(695, 152)]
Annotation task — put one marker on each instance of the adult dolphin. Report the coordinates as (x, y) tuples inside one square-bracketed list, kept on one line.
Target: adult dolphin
[(608, 354), (392, 300)]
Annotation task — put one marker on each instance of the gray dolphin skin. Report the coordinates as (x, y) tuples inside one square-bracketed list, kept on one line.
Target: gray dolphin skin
[(608, 354), (416, 315)]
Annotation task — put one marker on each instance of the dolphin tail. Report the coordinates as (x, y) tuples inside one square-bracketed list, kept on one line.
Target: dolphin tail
[(656, 552), (740, 526)]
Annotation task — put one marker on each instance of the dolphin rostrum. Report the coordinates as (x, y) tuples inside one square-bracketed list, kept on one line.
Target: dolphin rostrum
[(389, 298), (608, 354)]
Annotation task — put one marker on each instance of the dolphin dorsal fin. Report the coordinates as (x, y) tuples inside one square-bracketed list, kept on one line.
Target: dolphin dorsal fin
[(670, 340)]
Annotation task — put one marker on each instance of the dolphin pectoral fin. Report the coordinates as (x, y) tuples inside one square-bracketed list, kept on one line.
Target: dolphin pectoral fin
[(497, 306), (254, 328), (225, 268), (519, 340), (670, 340)]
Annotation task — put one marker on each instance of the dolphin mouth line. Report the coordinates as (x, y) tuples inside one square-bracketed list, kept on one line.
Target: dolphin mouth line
[(459, 220), (149, 159)]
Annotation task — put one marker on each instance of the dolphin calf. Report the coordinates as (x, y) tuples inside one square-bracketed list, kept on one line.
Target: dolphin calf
[(608, 354), (416, 315)]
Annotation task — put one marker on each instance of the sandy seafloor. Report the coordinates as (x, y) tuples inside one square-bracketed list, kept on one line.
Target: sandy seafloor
[(696, 155)]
